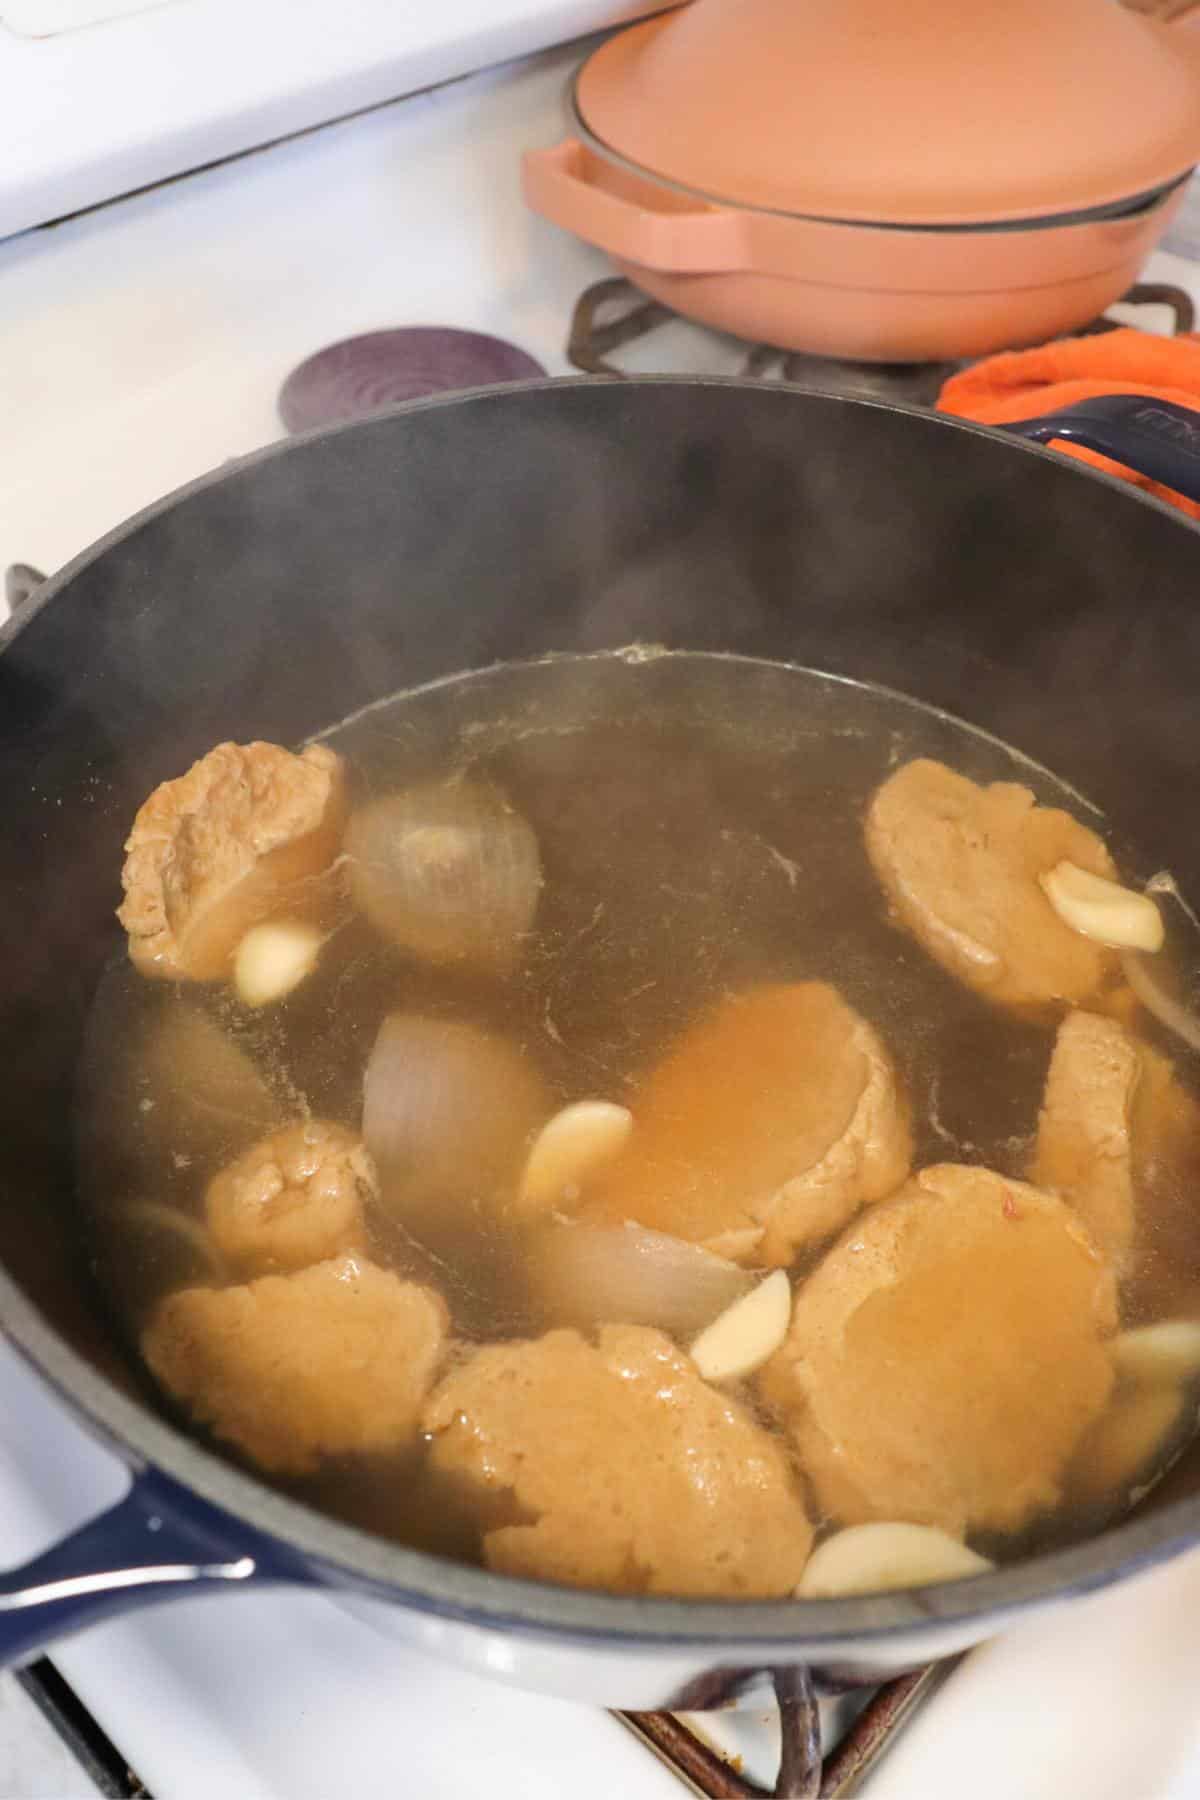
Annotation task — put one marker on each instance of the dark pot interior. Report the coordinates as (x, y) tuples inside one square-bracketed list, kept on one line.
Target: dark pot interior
[(1041, 602)]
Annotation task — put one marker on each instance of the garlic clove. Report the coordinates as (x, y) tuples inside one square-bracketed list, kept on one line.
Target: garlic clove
[(1103, 910), (746, 1333), (1152, 1354), (273, 959), (571, 1146), (867, 1559)]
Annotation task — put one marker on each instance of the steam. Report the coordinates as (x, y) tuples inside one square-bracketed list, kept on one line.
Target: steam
[(1026, 596)]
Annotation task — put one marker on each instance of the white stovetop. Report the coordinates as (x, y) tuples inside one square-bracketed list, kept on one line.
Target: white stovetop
[(286, 1697), (99, 97), (139, 346)]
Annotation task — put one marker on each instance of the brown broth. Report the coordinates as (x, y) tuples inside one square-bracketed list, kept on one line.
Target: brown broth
[(699, 820)]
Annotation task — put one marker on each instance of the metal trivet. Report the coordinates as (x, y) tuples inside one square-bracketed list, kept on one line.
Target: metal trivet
[(612, 314), (803, 1775)]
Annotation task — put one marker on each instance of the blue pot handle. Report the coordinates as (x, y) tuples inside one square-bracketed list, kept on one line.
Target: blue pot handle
[(1154, 437), (156, 1543)]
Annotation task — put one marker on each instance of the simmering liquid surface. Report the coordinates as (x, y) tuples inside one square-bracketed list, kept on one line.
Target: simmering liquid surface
[(700, 827)]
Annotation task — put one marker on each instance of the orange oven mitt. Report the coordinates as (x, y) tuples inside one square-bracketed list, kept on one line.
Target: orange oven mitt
[(1020, 383)]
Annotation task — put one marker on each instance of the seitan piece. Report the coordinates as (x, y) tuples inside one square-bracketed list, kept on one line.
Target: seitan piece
[(1118, 1134), (329, 1361), (297, 1197), (959, 864), (947, 1355), (1084, 1145), (243, 836), (634, 1474), (766, 1127)]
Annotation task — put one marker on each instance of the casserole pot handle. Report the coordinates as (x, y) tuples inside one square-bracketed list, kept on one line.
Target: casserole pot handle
[(704, 241), (1153, 437), (156, 1543)]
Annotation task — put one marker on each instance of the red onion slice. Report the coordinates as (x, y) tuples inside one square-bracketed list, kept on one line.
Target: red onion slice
[(367, 374)]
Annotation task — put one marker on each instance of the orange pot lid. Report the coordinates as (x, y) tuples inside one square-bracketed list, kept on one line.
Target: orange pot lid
[(904, 111)]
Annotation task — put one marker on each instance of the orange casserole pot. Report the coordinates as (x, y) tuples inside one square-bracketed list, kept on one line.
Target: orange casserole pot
[(846, 178)]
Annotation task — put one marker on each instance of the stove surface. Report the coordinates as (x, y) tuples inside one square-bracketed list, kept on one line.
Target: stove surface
[(141, 345)]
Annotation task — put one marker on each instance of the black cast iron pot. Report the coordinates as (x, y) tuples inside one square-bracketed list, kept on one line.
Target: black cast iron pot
[(1045, 603)]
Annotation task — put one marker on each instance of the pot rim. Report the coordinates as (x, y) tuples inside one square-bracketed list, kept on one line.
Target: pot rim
[(1129, 207), (464, 1592)]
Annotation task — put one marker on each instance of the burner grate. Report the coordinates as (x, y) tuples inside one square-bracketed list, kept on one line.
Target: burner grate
[(613, 315), (802, 1773)]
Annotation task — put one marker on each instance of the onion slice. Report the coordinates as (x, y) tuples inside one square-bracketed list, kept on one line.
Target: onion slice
[(449, 871), (1166, 1009), (622, 1274), (448, 1112), (1146, 985), (148, 1249), (148, 1227), (361, 375)]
